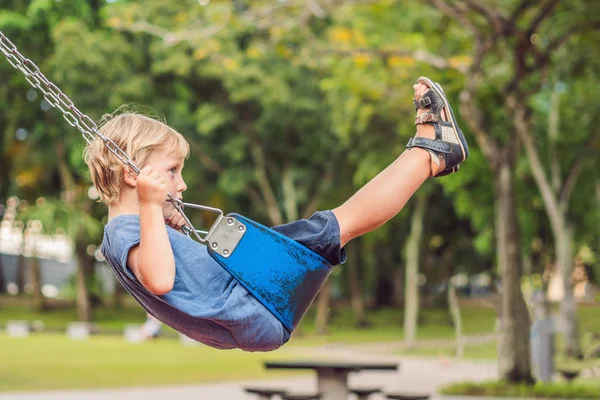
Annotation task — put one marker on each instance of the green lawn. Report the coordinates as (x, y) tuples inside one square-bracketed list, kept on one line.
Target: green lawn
[(52, 361), (385, 325), (471, 352), (589, 321), (580, 389)]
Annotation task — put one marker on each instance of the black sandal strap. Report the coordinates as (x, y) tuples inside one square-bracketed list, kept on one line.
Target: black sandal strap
[(428, 144), (423, 102), (448, 171)]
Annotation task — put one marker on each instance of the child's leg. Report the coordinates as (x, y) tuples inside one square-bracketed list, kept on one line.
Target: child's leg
[(386, 194)]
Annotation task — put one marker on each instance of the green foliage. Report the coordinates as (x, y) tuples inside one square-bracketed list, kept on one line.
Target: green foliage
[(556, 390), (69, 290), (266, 91), (57, 215)]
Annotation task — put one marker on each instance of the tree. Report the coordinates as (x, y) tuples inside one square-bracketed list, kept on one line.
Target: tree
[(514, 35), (413, 257), (77, 224)]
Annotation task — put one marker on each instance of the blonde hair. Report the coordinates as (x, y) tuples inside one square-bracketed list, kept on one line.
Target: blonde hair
[(138, 136)]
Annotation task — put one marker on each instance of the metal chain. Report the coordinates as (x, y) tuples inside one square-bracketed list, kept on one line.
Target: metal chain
[(56, 98)]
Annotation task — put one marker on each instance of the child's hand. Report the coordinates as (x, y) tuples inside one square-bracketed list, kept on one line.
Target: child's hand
[(176, 220), (151, 187)]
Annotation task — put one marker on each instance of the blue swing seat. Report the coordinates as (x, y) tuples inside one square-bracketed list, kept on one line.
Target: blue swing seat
[(281, 273)]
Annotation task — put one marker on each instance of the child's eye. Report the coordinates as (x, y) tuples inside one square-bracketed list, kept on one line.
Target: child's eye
[(173, 170)]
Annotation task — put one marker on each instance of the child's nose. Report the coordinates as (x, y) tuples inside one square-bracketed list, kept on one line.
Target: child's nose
[(182, 186)]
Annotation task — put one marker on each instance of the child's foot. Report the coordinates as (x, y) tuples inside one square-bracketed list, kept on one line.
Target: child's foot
[(437, 131)]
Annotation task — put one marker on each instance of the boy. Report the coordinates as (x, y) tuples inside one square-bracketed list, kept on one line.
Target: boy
[(175, 279)]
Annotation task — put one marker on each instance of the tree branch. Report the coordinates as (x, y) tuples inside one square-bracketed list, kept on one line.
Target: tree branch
[(263, 182), (524, 47), (495, 19), (521, 8), (290, 198), (472, 115), (470, 111), (522, 128), (542, 14), (207, 161), (260, 17), (312, 205), (418, 55), (543, 58), (455, 13), (569, 184), (573, 175)]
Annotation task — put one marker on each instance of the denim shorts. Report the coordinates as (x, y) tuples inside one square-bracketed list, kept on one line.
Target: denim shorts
[(320, 233)]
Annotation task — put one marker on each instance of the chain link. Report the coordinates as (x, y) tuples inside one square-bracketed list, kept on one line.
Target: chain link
[(88, 128), (56, 98)]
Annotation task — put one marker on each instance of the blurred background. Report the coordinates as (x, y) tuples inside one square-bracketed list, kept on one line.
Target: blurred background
[(290, 106)]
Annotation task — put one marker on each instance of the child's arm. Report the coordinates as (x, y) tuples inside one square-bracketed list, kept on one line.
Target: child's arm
[(152, 261)]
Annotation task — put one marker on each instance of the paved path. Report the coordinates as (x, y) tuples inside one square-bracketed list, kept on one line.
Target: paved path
[(414, 375)]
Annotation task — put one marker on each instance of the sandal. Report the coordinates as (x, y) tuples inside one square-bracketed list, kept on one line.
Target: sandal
[(449, 148)]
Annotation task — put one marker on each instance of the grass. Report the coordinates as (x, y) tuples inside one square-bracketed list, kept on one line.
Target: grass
[(554, 390), (385, 324), (105, 318), (45, 361), (52, 361), (471, 352)]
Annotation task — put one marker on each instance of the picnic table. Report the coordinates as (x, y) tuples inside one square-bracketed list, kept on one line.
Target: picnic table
[(332, 377)]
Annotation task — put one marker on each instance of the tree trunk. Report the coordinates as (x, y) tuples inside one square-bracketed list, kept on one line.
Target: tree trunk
[(2, 279), (356, 297), (21, 272), (322, 318), (556, 204), (397, 300), (411, 292), (568, 306), (514, 363), (454, 307), (117, 295), (598, 201), (384, 286), (82, 301), (290, 198), (36, 283)]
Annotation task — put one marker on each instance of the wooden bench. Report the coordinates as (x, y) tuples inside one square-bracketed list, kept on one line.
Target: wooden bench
[(265, 393), (332, 376), (406, 396), (364, 393), (309, 396)]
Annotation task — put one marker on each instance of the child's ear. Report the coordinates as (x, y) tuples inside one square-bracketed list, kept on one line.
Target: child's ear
[(129, 176)]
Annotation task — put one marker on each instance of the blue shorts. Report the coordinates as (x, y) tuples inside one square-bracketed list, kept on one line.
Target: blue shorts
[(320, 233)]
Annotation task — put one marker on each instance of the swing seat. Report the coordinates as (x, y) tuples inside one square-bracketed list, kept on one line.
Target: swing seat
[(282, 274)]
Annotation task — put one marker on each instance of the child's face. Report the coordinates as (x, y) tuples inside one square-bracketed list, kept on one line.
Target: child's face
[(169, 166)]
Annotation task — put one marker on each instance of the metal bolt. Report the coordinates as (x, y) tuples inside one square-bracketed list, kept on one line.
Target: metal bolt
[(225, 252), (229, 221), (214, 245), (241, 228)]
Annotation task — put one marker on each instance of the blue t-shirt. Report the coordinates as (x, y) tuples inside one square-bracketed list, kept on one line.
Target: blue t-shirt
[(206, 304)]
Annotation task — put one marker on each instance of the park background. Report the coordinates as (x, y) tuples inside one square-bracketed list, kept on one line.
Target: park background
[(290, 106)]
